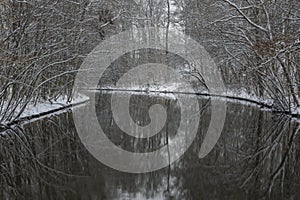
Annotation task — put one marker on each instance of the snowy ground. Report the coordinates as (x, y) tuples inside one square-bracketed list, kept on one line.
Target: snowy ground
[(154, 90), (44, 107), (245, 95), (166, 91), (240, 95)]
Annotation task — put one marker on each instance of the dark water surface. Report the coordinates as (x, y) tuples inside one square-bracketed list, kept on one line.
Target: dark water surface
[(257, 157)]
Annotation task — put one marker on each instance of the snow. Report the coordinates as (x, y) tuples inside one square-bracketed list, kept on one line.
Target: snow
[(43, 107), (169, 87), (166, 91), (242, 93), (170, 96), (169, 91), (296, 111)]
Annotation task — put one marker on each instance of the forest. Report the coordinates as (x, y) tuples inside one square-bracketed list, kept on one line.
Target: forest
[(255, 44)]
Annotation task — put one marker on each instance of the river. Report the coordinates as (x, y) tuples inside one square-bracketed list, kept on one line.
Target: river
[(256, 157)]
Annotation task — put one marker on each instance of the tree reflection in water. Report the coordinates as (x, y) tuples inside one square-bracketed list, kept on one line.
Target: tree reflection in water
[(257, 157)]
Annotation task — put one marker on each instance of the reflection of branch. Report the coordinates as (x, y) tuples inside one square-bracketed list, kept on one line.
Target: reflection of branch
[(267, 147), (264, 158), (24, 163), (282, 164)]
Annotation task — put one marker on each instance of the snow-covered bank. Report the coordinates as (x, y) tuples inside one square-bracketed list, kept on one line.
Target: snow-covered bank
[(244, 95), (44, 108), (167, 91), (177, 88), (233, 95), (296, 111)]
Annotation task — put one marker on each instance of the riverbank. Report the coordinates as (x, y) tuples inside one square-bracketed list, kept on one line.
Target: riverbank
[(42, 109), (45, 108), (229, 95)]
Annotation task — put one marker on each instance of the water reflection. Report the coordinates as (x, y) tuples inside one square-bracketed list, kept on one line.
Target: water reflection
[(257, 157)]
